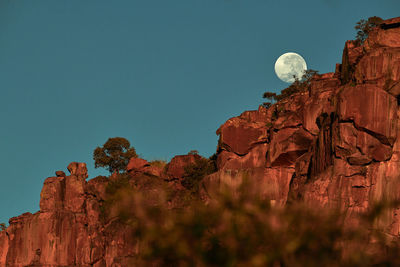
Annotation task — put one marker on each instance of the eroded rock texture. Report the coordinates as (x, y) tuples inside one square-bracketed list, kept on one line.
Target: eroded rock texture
[(71, 230), (336, 144), (68, 230)]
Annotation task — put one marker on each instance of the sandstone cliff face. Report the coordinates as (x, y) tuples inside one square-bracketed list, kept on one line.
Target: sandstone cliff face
[(334, 145), (68, 230)]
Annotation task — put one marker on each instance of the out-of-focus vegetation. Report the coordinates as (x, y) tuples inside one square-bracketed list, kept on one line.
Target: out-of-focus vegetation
[(299, 85), (364, 27), (246, 230), (196, 171), (158, 163), (114, 154)]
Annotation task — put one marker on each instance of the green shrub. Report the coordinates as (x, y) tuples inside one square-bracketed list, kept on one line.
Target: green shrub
[(114, 154), (364, 27)]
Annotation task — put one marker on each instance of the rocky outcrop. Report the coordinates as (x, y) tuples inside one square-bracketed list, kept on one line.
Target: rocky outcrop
[(68, 230), (175, 169), (336, 145)]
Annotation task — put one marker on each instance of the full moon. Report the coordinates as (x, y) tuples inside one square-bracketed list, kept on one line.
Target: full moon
[(290, 64)]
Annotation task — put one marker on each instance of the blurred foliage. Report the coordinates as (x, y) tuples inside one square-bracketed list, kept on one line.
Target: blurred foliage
[(364, 27), (158, 163), (195, 172), (299, 85), (247, 230), (113, 188), (114, 155)]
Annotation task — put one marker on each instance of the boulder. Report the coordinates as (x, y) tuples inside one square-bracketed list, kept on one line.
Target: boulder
[(74, 194), (254, 159), (78, 169), (52, 194), (240, 138), (137, 165), (287, 145), (350, 142), (60, 174), (176, 167), (380, 67), (240, 134), (371, 109), (352, 53)]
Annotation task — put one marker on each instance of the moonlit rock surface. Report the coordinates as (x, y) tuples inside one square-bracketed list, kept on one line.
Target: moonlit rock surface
[(289, 65)]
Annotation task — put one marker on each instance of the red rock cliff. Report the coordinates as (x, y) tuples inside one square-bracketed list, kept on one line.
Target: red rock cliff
[(67, 231), (336, 144)]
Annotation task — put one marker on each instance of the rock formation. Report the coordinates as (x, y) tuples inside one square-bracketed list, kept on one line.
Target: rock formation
[(68, 230), (336, 144)]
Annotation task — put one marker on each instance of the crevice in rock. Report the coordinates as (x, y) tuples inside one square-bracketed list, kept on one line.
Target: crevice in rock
[(346, 121), (385, 26), (307, 130), (381, 138), (358, 186), (288, 159), (323, 147), (171, 179), (354, 174), (297, 126)]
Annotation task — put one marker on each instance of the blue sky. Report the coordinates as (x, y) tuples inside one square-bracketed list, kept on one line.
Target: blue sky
[(165, 74)]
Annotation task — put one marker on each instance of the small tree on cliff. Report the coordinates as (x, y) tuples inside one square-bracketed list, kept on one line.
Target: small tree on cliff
[(114, 155), (271, 97), (297, 86), (364, 27)]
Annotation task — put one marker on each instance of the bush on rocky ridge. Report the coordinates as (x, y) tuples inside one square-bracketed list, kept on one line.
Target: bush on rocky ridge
[(364, 27), (299, 85)]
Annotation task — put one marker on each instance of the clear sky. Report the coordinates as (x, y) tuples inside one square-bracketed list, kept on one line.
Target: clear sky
[(165, 74)]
